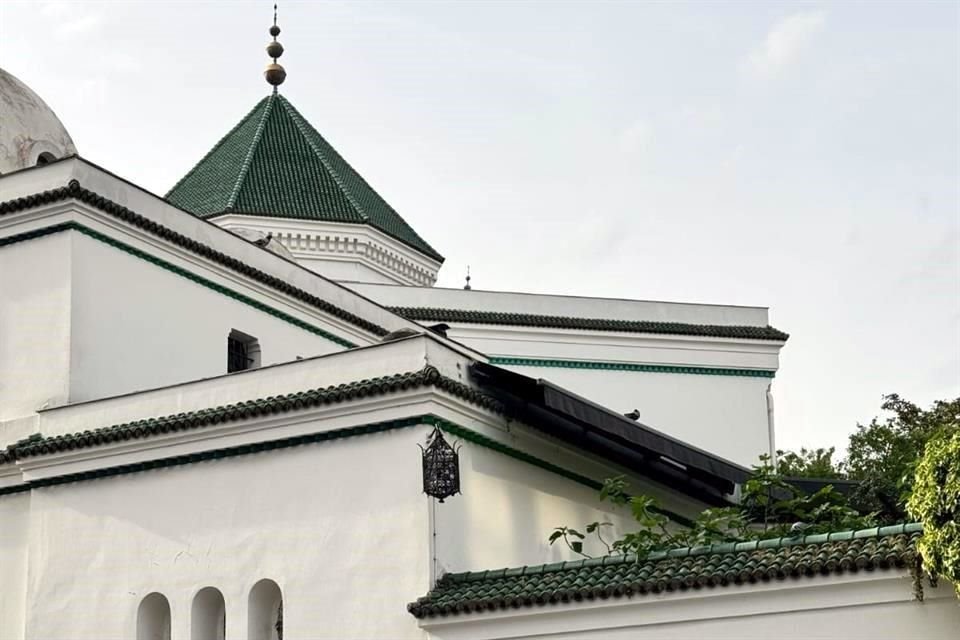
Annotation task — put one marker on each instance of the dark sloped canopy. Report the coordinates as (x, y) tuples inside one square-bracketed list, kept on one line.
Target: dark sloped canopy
[(274, 163), (604, 432)]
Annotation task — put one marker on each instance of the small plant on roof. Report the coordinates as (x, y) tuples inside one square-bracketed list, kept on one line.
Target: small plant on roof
[(770, 507)]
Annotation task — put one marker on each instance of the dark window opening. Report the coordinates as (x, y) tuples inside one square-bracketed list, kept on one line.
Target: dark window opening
[(243, 352), (45, 158)]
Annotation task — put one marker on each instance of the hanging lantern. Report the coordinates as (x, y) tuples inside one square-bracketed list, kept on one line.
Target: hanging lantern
[(441, 467)]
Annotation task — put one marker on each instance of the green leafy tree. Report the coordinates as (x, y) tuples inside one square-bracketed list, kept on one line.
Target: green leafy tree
[(883, 455), (935, 501), (809, 463)]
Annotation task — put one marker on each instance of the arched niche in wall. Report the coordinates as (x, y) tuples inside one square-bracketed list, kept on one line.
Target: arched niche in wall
[(265, 611), (208, 616), (153, 618)]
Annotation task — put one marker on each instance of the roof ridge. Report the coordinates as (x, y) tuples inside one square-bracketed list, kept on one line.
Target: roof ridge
[(248, 159), (684, 552), (299, 121), (214, 148)]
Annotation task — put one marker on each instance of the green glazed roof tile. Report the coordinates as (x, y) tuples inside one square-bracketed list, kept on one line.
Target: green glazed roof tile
[(274, 163), (429, 314), (719, 565), (429, 376)]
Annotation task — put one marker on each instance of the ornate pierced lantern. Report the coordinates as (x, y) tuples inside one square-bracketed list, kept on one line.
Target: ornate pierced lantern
[(441, 467)]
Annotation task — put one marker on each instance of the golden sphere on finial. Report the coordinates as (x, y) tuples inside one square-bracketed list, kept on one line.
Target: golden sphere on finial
[(275, 74), (274, 31)]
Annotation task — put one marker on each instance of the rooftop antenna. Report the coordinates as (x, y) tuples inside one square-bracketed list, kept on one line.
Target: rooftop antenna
[(467, 286), (274, 73)]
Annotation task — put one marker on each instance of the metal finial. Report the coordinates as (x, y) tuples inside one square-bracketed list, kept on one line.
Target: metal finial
[(467, 285), (274, 73)]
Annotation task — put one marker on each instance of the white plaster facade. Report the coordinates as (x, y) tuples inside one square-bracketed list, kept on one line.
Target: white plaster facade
[(93, 312), (721, 406), (279, 514), (115, 310)]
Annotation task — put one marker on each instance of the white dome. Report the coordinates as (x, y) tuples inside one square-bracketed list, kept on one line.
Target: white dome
[(30, 132)]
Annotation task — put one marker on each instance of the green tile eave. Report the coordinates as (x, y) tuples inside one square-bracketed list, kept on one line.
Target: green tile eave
[(671, 570), (476, 316), (151, 427), (275, 163)]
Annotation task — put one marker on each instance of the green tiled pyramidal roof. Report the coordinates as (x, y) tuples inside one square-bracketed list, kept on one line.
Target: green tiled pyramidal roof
[(675, 570), (274, 163)]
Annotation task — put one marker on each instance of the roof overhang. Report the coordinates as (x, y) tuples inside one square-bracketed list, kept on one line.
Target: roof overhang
[(601, 431)]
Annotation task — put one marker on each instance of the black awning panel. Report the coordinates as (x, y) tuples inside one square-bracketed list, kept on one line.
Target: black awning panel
[(639, 434), (609, 424)]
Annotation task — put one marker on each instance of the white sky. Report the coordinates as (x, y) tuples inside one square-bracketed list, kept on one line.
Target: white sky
[(801, 156)]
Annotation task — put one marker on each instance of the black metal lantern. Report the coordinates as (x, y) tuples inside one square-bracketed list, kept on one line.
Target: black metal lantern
[(441, 467)]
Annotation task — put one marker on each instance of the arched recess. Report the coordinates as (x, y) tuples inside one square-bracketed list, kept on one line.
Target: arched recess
[(153, 618), (208, 616), (265, 611)]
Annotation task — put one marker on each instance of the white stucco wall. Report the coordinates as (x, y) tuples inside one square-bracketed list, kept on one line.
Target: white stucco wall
[(14, 530), (340, 526), (508, 508), (343, 271), (137, 326), (34, 325), (724, 412), (724, 415)]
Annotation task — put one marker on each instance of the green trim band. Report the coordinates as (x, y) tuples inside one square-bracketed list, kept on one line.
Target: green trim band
[(324, 436), (230, 293), (629, 366), (214, 454), (75, 191)]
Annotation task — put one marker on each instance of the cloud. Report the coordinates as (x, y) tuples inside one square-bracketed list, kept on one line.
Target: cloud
[(637, 136), (79, 25), (55, 9), (785, 42), (70, 19)]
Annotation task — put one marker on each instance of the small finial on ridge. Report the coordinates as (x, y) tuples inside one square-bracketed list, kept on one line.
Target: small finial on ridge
[(467, 286), (274, 73)]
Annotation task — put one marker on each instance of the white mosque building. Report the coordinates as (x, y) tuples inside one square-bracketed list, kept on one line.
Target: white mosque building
[(243, 411)]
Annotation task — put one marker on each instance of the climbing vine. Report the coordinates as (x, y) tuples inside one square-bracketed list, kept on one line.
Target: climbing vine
[(935, 502)]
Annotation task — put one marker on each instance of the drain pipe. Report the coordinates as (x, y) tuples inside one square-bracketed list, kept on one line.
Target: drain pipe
[(770, 431)]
